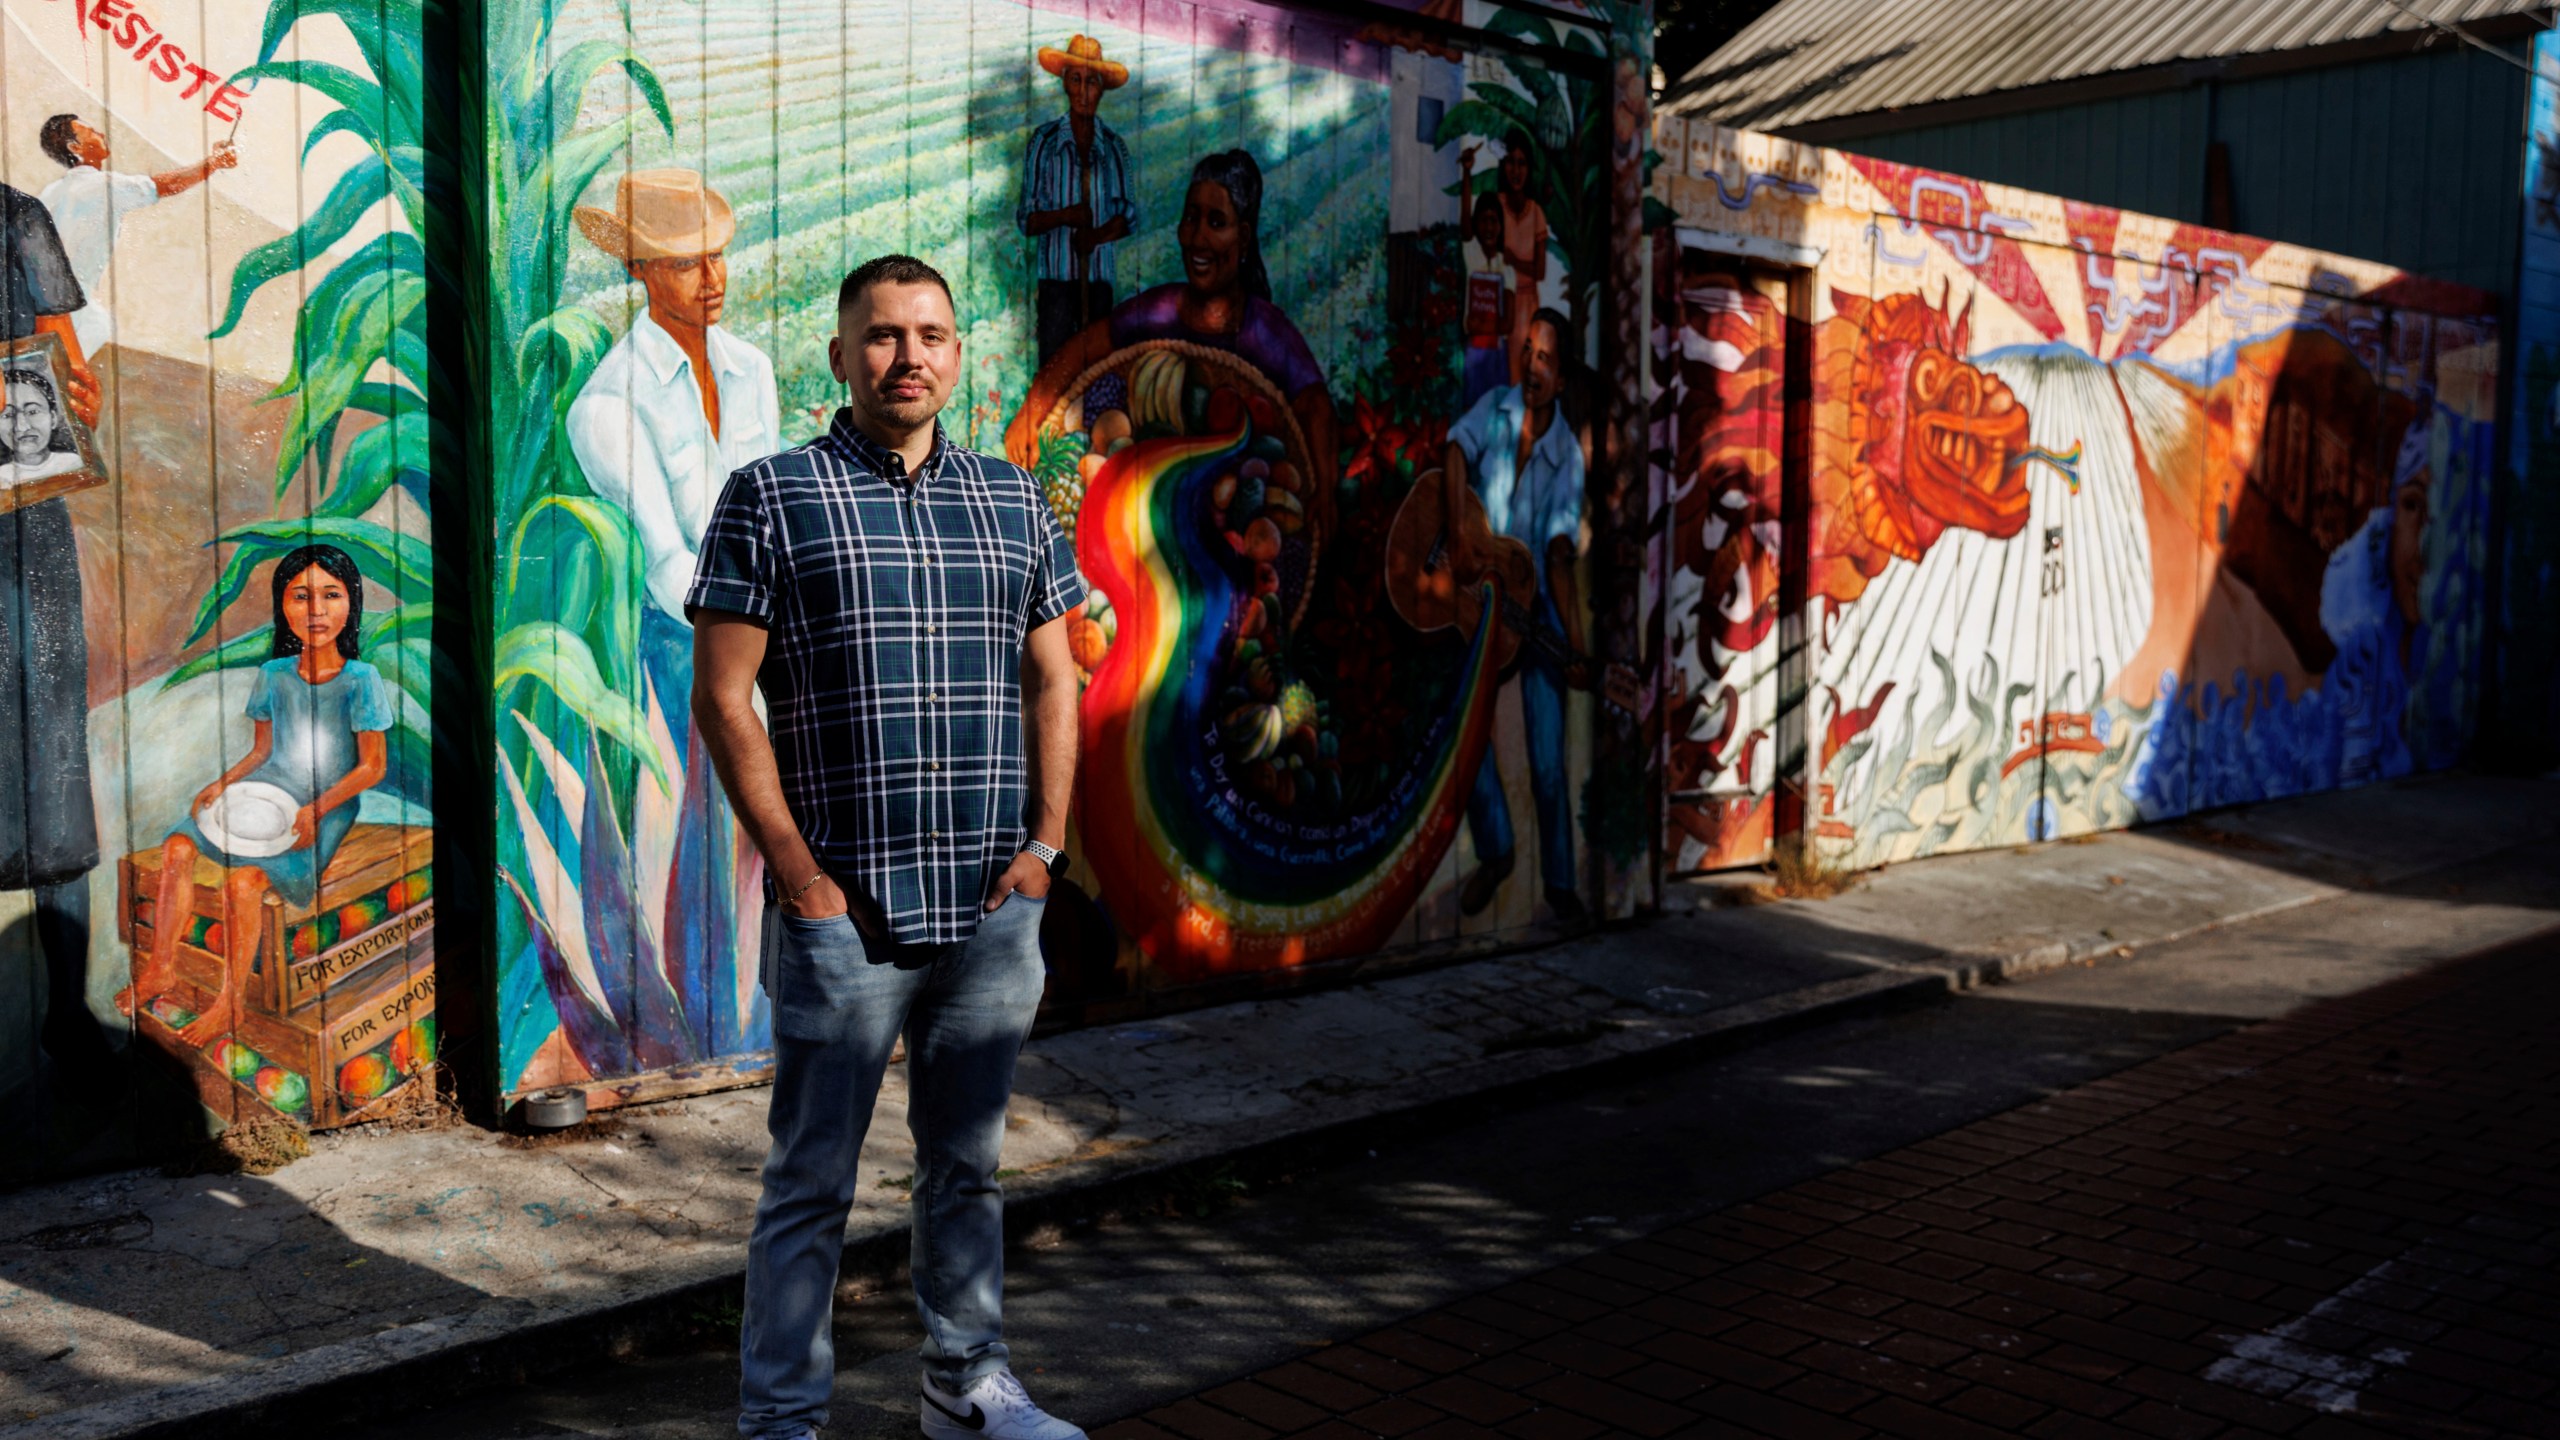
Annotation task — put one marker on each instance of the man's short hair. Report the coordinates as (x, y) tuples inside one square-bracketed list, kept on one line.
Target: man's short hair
[(1547, 315), (55, 141), (890, 270)]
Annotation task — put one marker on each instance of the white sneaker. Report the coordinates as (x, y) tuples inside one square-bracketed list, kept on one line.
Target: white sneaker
[(994, 1407)]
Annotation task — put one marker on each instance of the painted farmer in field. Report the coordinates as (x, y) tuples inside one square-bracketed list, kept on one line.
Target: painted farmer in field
[(903, 605), (48, 824), (677, 404), (1516, 449), (1078, 201), (90, 202)]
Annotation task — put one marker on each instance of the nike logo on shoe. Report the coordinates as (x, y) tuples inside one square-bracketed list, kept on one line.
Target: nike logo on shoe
[(976, 1419)]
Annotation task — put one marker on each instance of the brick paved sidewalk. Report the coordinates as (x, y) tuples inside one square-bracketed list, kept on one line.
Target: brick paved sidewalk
[(2344, 1222)]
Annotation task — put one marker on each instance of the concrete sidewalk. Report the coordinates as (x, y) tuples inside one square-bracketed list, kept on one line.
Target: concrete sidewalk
[(2331, 1225), (137, 1302)]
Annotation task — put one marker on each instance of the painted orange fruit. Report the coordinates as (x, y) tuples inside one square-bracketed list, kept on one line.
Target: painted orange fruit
[(237, 1060), (365, 1077), (1086, 639), (414, 1046), (284, 1090)]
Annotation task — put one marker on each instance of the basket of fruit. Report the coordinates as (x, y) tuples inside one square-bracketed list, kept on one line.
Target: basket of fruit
[(1265, 503)]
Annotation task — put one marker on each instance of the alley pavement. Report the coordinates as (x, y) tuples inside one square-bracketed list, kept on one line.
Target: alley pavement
[(2342, 1222), (391, 1264)]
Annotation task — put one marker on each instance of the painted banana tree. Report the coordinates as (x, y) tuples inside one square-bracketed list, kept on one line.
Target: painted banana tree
[(614, 957), (359, 352)]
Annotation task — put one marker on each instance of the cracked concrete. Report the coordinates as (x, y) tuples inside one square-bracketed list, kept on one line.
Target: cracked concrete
[(138, 1299)]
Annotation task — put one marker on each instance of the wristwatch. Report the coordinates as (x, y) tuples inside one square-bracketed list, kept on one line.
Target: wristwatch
[(1049, 854)]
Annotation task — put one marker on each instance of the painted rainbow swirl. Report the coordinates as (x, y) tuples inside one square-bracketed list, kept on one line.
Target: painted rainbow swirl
[(1205, 877)]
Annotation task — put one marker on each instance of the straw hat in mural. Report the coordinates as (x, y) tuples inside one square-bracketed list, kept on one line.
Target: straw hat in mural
[(1084, 53), (660, 215)]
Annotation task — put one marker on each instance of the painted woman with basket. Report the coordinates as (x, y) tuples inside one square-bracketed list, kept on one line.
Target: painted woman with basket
[(276, 819), (1223, 301)]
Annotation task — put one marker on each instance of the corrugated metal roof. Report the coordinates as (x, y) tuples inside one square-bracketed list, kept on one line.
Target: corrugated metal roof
[(1809, 60)]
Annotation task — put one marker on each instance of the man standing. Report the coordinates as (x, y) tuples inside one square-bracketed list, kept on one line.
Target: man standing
[(1076, 202), (902, 603), (90, 202), (1522, 458)]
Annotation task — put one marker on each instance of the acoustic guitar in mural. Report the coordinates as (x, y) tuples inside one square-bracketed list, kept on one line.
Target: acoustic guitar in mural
[(1433, 588)]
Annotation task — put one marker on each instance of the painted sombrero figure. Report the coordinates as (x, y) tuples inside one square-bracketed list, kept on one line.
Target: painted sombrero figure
[(1083, 52), (660, 215)]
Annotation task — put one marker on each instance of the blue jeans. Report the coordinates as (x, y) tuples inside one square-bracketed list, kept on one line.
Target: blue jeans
[(1489, 811), (839, 1006)]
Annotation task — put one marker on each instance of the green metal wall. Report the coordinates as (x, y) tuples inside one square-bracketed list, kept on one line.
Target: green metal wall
[(2410, 161)]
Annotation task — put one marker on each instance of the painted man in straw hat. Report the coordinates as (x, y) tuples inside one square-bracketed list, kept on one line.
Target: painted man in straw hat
[(671, 409), (678, 402), (1077, 200)]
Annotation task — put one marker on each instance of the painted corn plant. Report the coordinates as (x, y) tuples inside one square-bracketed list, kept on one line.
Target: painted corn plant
[(610, 962), (359, 350)]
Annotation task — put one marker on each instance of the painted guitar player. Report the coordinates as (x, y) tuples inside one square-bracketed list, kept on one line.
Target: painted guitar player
[(1507, 506)]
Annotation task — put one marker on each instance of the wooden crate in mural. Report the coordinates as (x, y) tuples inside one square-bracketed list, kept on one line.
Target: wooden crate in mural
[(341, 1003)]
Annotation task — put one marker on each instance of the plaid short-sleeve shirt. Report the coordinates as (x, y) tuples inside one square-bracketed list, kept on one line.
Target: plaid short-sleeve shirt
[(898, 607)]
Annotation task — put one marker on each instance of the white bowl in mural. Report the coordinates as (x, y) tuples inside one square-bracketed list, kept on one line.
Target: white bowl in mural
[(250, 819)]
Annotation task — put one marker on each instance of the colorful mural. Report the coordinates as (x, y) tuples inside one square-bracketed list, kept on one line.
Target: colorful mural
[(2525, 730), (2104, 518), (1970, 516), (216, 866), (1323, 443)]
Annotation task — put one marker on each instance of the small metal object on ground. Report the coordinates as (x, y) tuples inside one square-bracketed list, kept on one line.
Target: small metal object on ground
[(555, 1109)]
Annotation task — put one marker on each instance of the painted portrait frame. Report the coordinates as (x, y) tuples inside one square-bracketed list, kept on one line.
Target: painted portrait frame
[(92, 472)]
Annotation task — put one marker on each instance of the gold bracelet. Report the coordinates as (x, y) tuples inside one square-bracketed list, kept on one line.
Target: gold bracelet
[(804, 887)]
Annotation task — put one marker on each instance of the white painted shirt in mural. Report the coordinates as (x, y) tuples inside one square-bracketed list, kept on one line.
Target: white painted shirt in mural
[(87, 204), (639, 433), (1536, 503)]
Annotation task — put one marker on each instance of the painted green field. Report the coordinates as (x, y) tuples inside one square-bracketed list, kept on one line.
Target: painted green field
[(840, 133)]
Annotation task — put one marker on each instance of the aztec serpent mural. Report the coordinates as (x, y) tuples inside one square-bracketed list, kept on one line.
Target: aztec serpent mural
[(2214, 534)]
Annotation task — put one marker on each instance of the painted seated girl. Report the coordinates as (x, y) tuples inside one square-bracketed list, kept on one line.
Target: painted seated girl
[(321, 715)]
